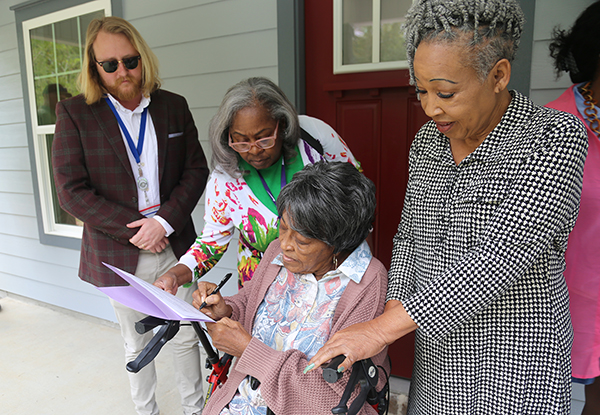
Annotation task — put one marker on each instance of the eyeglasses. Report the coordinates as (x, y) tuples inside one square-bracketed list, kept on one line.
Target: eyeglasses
[(128, 63), (263, 143)]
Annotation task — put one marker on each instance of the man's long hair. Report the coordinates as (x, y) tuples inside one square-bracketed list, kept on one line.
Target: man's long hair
[(90, 82)]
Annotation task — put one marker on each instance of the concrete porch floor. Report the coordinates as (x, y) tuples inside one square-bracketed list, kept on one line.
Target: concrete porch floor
[(54, 361)]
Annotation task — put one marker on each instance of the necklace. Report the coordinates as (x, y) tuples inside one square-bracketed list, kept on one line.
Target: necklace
[(590, 111)]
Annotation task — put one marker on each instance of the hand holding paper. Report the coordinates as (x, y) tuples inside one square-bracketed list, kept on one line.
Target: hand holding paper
[(151, 300)]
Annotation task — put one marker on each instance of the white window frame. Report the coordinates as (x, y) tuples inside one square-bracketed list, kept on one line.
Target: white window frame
[(42, 161), (375, 65)]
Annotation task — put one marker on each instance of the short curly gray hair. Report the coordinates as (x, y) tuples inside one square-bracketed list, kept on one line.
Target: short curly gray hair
[(491, 29), (251, 92)]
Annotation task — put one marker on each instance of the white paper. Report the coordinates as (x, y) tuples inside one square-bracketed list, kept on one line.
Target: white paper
[(151, 300)]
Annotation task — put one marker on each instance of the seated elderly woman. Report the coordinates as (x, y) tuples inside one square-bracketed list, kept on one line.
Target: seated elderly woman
[(317, 278)]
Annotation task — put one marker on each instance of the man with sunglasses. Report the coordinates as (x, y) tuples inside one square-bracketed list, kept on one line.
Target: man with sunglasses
[(128, 164)]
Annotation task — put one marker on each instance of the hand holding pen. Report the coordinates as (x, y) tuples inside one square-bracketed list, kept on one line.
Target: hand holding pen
[(208, 299)]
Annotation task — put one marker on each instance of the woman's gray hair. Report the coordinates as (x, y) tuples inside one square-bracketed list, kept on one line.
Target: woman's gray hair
[(331, 202), (491, 29), (251, 92)]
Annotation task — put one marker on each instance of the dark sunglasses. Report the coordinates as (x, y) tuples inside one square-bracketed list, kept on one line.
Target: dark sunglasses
[(128, 63)]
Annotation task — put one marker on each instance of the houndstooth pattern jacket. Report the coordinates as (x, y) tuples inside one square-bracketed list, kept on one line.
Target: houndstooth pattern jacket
[(478, 264)]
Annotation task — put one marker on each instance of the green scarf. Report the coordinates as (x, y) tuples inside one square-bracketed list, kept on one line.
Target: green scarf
[(272, 176)]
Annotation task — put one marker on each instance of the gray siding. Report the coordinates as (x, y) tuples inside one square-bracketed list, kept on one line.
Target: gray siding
[(204, 47), (548, 14)]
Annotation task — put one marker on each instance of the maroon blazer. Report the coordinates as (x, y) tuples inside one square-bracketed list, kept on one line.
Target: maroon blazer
[(96, 185)]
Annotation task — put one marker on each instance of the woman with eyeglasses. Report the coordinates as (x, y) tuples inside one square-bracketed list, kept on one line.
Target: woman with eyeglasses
[(256, 149)]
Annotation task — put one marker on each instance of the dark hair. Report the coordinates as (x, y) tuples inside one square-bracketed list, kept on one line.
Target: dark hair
[(331, 202), (576, 50), (54, 88)]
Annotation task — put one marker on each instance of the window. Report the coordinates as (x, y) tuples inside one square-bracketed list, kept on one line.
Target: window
[(52, 44), (368, 35)]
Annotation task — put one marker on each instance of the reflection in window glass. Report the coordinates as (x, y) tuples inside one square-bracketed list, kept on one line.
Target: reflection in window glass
[(56, 51), (60, 216), (357, 32), (393, 14)]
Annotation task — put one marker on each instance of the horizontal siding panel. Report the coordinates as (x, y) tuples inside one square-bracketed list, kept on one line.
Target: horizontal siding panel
[(16, 158), (22, 226), (17, 204), (542, 69), (202, 118), (8, 16), (8, 33), (207, 153), (205, 91), (9, 63), (136, 9), (549, 14), (204, 94), (45, 273), (91, 303), (250, 50), (44, 255), (12, 112), (13, 135), (210, 21), (16, 182), (10, 87)]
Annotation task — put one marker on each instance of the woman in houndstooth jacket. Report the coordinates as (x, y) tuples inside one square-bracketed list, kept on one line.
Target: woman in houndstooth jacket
[(478, 261)]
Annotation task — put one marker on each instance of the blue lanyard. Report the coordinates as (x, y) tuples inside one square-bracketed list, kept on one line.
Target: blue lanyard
[(283, 181), (136, 151)]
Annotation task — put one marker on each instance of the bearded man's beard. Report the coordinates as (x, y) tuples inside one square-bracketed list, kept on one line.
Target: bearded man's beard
[(124, 95)]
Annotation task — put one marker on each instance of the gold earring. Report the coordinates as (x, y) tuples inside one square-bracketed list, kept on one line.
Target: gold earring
[(335, 262)]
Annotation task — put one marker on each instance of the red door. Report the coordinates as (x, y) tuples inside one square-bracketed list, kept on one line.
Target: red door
[(378, 115)]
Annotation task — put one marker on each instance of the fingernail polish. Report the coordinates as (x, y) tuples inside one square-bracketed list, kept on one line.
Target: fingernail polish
[(340, 369), (309, 367)]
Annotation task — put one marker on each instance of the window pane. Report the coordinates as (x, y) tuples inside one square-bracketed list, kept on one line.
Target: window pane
[(60, 216), (392, 37), (357, 32), (53, 90), (56, 51)]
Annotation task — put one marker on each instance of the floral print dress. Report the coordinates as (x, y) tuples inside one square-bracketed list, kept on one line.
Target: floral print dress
[(231, 204)]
